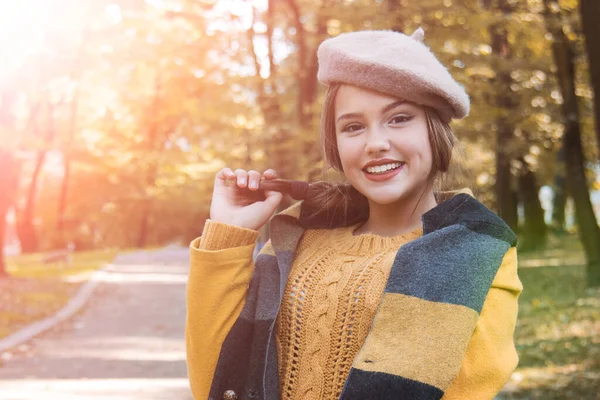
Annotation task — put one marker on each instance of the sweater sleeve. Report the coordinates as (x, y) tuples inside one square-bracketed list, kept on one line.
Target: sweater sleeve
[(491, 356), (221, 267)]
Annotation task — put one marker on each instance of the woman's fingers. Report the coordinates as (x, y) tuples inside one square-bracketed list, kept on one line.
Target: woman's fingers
[(270, 174), (242, 178), (224, 175), (253, 179)]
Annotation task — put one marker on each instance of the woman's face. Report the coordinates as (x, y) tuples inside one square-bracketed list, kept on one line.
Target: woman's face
[(383, 144)]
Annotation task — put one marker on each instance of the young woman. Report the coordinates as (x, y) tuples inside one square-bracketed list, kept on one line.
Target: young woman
[(382, 288)]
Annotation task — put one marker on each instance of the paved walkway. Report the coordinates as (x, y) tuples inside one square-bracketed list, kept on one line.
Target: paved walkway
[(127, 343)]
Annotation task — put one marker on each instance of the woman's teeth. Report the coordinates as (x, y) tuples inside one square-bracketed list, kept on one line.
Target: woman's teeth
[(380, 169)]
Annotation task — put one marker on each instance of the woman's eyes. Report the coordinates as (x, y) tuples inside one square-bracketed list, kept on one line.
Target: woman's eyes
[(398, 119), (352, 128)]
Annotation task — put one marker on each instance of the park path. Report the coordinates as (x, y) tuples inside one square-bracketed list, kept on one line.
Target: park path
[(128, 342)]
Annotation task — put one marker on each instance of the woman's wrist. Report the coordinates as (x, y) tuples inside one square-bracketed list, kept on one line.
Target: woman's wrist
[(218, 235)]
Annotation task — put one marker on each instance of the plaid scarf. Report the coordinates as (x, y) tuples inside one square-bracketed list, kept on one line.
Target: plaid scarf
[(420, 332)]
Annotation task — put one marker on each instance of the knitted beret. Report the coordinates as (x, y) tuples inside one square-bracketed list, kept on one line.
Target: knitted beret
[(393, 63)]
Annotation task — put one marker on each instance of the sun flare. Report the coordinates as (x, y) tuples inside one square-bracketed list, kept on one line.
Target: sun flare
[(22, 28), (26, 27)]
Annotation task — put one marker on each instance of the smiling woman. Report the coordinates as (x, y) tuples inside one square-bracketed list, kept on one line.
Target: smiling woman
[(388, 288)]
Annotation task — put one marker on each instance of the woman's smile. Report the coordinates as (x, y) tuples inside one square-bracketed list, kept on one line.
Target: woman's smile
[(383, 173)]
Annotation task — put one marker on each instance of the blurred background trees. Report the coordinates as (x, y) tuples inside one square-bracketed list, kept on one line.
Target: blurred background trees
[(116, 114)]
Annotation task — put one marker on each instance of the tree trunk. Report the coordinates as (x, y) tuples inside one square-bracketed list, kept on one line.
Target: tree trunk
[(278, 149), (588, 230), (506, 196), (560, 192), (310, 86), (307, 68), (534, 227), (396, 15), (25, 216), (76, 75), (8, 183), (8, 170), (62, 204), (301, 69), (66, 178), (3, 214), (590, 14), (270, 21), (311, 83), (150, 148), (142, 240)]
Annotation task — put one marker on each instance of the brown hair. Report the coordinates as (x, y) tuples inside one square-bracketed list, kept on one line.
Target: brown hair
[(343, 204)]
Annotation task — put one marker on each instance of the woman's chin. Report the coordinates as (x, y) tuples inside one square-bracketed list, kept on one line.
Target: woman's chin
[(385, 197)]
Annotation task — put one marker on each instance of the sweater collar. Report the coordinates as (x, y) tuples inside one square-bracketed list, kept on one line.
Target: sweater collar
[(448, 201), (345, 241)]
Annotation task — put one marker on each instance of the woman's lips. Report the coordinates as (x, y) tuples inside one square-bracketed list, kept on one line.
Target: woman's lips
[(385, 176)]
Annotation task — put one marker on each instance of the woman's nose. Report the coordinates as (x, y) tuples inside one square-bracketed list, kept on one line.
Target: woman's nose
[(377, 142)]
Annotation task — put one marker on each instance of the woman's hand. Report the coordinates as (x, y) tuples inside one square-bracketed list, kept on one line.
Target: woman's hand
[(236, 200)]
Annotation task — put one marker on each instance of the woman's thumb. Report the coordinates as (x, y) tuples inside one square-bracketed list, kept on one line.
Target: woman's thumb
[(273, 198)]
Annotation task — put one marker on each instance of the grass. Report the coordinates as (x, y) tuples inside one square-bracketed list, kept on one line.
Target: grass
[(31, 265), (558, 332), (37, 290)]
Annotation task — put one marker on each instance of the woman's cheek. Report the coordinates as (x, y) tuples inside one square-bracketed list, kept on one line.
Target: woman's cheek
[(345, 154)]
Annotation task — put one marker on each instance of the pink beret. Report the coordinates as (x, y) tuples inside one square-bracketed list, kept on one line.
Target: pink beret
[(393, 63)]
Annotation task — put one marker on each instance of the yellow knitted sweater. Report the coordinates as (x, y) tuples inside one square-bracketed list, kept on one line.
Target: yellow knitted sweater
[(333, 291), (331, 297)]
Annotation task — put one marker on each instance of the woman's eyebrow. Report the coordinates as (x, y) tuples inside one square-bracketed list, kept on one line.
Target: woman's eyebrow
[(392, 106), (387, 108), (349, 116)]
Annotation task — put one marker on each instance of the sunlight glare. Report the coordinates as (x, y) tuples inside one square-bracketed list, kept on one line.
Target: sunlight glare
[(22, 28), (27, 26)]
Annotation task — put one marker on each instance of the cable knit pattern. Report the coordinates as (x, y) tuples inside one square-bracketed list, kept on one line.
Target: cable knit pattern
[(328, 306)]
